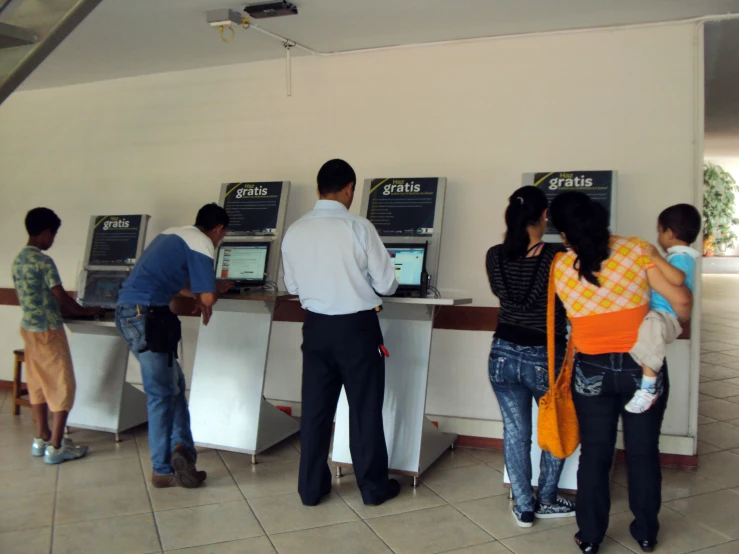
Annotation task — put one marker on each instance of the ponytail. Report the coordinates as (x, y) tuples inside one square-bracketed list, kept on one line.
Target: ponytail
[(585, 224), (525, 208)]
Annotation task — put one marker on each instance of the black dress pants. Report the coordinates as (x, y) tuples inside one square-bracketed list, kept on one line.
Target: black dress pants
[(602, 385), (342, 350)]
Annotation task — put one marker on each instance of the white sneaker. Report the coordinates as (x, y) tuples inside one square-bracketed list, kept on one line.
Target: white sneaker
[(38, 448), (641, 402), (67, 451)]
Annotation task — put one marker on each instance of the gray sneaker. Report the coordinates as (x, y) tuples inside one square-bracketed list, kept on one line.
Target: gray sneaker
[(559, 508), (38, 448), (67, 451)]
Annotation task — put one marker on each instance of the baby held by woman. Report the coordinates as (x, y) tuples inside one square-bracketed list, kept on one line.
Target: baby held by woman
[(677, 228)]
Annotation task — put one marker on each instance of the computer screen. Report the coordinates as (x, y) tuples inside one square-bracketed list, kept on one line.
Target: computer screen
[(409, 260), (242, 262), (101, 288)]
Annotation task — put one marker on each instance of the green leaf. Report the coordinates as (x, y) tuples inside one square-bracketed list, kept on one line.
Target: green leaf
[(719, 205)]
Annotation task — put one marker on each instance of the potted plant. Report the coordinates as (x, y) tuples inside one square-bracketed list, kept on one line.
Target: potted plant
[(719, 206)]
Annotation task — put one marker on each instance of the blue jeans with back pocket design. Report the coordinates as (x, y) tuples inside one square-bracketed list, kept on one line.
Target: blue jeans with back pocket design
[(602, 385), (518, 374), (169, 416)]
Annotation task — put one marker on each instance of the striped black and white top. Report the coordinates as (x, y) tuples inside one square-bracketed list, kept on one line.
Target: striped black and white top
[(521, 286)]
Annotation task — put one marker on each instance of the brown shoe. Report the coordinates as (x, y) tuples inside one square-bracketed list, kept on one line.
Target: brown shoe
[(185, 473), (162, 481)]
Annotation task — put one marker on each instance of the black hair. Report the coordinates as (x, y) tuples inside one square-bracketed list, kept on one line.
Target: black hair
[(39, 220), (334, 176), (684, 220), (585, 224), (211, 216), (525, 207)]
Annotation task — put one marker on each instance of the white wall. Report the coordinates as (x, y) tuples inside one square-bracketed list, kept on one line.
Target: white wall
[(479, 114)]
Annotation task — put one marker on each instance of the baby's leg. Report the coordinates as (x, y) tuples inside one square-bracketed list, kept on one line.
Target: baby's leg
[(649, 380), (649, 351)]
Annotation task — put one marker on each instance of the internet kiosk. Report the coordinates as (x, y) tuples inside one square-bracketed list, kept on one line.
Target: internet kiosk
[(104, 400), (408, 215), (601, 187), (227, 407)]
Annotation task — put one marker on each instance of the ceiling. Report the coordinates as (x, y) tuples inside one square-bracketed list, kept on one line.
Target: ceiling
[(124, 38)]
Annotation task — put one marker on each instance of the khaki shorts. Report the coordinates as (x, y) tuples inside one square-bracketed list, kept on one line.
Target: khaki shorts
[(657, 331), (49, 372)]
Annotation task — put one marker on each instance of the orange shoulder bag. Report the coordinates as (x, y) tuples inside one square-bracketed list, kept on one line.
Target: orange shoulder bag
[(557, 426)]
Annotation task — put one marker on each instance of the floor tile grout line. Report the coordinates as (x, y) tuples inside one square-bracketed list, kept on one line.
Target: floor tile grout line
[(626, 546), (468, 500), (53, 513), (368, 526), (485, 530), (495, 541), (363, 520), (401, 512), (148, 495), (165, 510), (730, 541), (703, 525), (665, 502), (256, 517)]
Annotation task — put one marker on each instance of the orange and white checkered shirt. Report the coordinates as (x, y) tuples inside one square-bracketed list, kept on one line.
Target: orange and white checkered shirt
[(623, 279)]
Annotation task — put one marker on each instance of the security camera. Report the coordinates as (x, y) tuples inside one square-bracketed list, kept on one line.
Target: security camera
[(223, 18)]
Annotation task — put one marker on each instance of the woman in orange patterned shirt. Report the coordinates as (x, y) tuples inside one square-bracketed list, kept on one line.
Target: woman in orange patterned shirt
[(604, 282)]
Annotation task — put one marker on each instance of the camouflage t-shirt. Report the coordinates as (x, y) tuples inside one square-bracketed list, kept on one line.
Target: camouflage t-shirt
[(34, 275)]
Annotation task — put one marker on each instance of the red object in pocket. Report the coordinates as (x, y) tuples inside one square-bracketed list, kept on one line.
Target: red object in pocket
[(384, 351)]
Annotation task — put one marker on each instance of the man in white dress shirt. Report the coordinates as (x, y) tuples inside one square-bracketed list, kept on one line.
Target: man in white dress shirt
[(336, 263)]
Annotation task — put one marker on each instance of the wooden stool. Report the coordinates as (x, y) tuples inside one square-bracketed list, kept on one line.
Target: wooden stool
[(20, 391)]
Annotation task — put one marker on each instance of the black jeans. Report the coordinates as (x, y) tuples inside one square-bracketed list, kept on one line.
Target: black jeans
[(602, 385), (343, 350)]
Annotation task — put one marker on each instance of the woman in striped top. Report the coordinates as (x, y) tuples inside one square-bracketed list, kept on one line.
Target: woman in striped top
[(604, 284), (518, 271)]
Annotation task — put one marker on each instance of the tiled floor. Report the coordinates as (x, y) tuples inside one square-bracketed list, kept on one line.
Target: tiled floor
[(103, 504)]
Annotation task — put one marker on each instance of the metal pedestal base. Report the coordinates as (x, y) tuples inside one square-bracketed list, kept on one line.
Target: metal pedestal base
[(227, 409), (413, 442), (568, 479), (104, 400)]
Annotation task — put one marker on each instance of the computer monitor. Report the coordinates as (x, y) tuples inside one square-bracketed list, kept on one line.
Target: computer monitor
[(101, 288), (410, 264), (244, 263)]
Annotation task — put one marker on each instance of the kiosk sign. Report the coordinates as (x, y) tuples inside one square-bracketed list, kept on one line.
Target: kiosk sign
[(598, 185), (403, 207), (252, 207), (115, 240)]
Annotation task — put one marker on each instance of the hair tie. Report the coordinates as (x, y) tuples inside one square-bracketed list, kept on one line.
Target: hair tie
[(520, 199)]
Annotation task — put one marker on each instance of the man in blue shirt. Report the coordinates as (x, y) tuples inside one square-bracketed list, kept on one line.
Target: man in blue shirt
[(178, 261), (336, 263)]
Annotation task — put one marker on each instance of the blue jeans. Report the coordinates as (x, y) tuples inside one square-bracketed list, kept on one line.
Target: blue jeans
[(169, 417), (518, 374)]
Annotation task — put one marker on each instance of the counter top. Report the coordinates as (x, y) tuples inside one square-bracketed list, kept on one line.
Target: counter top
[(427, 301), (261, 295), (103, 322)]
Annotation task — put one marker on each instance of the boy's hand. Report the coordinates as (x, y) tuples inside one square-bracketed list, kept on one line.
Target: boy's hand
[(652, 252)]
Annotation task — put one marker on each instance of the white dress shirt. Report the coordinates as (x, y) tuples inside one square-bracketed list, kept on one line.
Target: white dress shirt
[(335, 261)]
